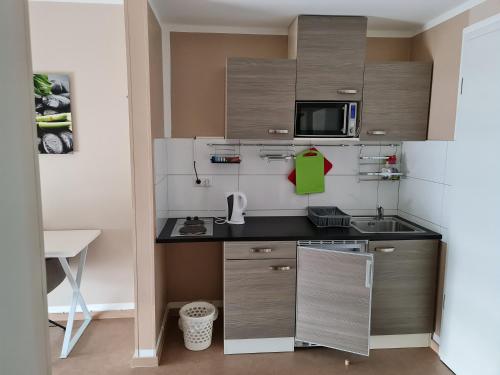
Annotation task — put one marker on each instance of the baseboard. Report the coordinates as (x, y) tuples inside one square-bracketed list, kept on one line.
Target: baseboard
[(272, 345), (151, 357), (137, 361), (98, 311), (435, 342), (161, 336), (436, 338), (419, 340)]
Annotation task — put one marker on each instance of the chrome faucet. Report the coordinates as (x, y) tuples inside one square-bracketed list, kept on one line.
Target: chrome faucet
[(380, 213)]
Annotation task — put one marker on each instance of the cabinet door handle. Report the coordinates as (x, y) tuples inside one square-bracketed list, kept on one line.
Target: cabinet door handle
[(385, 249), (278, 131), (261, 250), (347, 91), (369, 274), (280, 268), (377, 132)]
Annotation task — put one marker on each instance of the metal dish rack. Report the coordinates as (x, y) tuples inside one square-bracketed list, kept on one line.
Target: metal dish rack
[(370, 166), (277, 153), (225, 154)]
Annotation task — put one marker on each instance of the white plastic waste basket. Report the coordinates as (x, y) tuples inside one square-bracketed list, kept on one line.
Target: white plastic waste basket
[(196, 321)]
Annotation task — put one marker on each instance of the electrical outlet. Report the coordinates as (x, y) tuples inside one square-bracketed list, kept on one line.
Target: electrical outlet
[(204, 182)]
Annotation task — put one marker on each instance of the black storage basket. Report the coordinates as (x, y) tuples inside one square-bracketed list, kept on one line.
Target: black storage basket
[(328, 216)]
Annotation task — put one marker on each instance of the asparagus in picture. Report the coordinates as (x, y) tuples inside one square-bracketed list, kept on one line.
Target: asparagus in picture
[(53, 125), (55, 117)]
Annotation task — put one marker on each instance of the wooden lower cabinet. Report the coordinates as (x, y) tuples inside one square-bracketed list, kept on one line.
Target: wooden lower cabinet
[(404, 286), (259, 294), (274, 293)]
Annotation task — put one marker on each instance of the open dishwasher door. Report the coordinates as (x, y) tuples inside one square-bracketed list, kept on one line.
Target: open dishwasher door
[(334, 292)]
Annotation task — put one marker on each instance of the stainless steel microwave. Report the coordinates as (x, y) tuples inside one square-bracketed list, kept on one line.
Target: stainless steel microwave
[(326, 119)]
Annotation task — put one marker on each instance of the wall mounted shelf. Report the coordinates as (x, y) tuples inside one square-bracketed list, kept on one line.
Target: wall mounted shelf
[(379, 167)]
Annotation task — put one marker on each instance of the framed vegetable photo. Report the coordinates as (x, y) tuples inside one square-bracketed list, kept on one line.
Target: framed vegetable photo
[(53, 113)]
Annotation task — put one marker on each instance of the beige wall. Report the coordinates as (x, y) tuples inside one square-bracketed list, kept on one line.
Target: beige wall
[(442, 44), (92, 187), (388, 49), (484, 10), (194, 271), (198, 66)]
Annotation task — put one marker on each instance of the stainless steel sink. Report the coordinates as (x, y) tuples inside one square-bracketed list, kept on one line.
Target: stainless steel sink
[(385, 225)]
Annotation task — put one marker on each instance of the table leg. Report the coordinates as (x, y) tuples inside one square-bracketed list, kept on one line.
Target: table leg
[(77, 299)]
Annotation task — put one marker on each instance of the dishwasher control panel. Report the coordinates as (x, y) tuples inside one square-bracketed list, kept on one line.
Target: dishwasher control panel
[(348, 246)]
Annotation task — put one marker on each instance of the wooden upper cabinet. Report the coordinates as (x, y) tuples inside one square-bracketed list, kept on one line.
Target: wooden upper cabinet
[(330, 53), (260, 98), (396, 99)]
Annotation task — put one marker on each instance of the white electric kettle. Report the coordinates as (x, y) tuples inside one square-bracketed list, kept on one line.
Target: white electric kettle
[(236, 205)]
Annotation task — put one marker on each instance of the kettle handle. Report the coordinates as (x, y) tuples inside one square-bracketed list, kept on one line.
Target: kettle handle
[(244, 199)]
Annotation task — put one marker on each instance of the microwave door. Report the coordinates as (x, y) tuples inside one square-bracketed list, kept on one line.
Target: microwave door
[(344, 127), (320, 119)]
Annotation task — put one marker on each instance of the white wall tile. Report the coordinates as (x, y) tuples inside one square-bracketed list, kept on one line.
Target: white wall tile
[(425, 160), (180, 156), (160, 155), (161, 196), (422, 222), (160, 158), (452, 169), (252, 163), (346, 193), (160, 223), (268, 190), (422, 198), (162, 214), (200, 213), (265, 192), (369, 150), (183, 195), (391, 150), (344, 159), (301, 212), (445, 221), (388, 194), (445, 233), (370, 212)]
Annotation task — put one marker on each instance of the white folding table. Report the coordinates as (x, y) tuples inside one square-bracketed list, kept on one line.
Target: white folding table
[(64, 244)]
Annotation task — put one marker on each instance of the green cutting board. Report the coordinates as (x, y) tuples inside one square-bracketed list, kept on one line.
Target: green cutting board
[(310, 173)]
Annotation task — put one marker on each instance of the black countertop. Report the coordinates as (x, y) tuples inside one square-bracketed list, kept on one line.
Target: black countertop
[(287, 228)]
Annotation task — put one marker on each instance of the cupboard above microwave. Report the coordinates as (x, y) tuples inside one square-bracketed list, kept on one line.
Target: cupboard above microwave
[(319, 119)]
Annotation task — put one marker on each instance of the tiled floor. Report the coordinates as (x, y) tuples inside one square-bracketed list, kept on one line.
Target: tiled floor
[(107, 345)]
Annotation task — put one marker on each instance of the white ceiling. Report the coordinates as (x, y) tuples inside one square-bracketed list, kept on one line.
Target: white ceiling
[(405, 17)]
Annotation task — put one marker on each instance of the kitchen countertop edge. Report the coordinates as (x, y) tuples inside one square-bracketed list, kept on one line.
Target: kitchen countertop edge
[(288, 228)]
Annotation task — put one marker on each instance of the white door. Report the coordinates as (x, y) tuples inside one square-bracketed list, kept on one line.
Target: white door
[(470, 338)]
